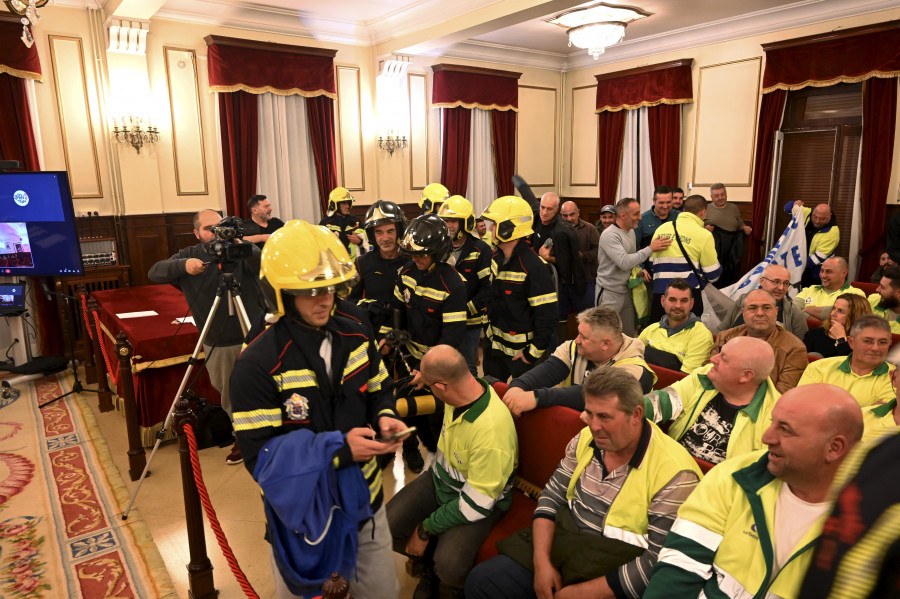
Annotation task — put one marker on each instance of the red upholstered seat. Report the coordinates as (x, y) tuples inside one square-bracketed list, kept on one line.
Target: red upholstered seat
[(703, 465), (813, 323), (812, 358), (666, 377), (543, 435), (500, 388), (868, 288)]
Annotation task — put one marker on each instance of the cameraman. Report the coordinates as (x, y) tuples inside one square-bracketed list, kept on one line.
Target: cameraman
[(195, 270)]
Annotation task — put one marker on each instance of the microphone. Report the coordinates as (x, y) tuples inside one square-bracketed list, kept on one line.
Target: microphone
[(47, 293)]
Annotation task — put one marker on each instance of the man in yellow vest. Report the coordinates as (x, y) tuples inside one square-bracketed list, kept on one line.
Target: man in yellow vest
[(557, 381), (605, 511), (723, 409), (749, 528)]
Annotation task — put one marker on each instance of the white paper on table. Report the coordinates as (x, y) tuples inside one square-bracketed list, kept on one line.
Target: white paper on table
[(136, 314), (188, 319)]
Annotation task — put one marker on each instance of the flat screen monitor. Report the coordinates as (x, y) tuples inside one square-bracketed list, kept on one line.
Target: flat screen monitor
[(12, 299), (37, 225)]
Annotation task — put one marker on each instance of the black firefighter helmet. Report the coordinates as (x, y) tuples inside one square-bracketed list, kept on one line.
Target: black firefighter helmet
[(427, 235), (383, 212)]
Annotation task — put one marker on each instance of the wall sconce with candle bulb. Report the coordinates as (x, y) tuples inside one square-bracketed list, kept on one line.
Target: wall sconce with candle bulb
[(393, 104), (132, 130)]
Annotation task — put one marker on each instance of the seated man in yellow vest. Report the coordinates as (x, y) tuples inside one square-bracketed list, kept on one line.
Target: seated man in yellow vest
[(879, 418), (885, 301), (749, 528), (679, 341), (605, 511), (600, 342), (864, 373), (817, 300), (723, 408)]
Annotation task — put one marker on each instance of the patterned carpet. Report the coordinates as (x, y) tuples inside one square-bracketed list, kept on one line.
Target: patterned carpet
[(61, 534)]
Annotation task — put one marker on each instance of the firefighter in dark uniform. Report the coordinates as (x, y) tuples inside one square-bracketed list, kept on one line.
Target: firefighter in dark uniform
[(472, 259), (433, 195), (385, 225), (343, 224), (432, 296), (522, 311), (316, 370)]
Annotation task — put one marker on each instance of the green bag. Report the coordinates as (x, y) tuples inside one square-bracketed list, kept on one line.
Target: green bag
[(579, 556)]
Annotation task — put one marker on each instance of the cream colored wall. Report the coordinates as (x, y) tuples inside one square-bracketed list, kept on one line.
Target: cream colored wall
[(704, 56)]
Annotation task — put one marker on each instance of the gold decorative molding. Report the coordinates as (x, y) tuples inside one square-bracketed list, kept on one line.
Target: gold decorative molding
[(76, 109), (198, 127), (341, 113)]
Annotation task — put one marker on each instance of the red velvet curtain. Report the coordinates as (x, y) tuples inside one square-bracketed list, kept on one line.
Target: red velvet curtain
[(16, 132), (475, 90), (665, 143), (238, 121), (879, 119), (611, 139), (830, 61), (238, 67), (17, 59), (503, 136), (630, 90), (457, 131), (320, 118), (770, 115)]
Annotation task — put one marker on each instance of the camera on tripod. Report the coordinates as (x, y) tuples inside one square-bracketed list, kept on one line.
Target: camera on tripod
[(226, 246)]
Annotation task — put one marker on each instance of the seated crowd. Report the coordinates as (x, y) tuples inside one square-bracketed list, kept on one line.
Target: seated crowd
[(716, 484)]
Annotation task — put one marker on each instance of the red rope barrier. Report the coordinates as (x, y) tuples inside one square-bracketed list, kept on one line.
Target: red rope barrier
[(87, 322), (113, 372), (211, 516)]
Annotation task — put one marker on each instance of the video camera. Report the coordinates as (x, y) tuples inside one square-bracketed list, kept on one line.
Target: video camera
[(225, 246)]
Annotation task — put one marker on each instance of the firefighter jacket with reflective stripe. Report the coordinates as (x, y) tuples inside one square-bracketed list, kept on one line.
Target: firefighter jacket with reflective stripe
[(280, 383), (375, 289), (684, 401), (475, 464), (522, 314), (343, 225), (474, 264), (722, 544), (434, 302)]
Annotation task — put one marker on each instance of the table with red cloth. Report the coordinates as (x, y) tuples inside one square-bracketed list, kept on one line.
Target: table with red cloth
[(162, 348)]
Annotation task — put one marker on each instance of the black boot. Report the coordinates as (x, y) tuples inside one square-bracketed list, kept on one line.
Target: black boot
[(411, 454), (428, 584)]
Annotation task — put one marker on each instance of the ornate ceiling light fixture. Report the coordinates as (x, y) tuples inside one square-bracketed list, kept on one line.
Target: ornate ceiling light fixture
[(27, 9), (596, 26)]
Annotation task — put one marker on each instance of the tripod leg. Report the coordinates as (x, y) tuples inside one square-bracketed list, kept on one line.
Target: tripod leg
[(181, 388)]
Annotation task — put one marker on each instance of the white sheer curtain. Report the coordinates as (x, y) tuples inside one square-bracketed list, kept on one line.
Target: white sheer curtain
[(286, 168), (482, 185), (636, 160), (35, 123)]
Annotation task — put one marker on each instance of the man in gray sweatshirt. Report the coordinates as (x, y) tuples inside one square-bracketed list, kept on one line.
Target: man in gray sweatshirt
[(617, 256)]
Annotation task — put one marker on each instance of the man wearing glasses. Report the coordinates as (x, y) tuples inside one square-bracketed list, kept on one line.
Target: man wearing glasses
[(776, 280), (759, 322)]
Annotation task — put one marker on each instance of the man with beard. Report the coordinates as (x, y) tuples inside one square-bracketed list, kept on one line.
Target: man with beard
[(677, 198), (760, 312), (885, 301), (822, 238), (385, 225), (679, 341), (261, 223), (588, 242)]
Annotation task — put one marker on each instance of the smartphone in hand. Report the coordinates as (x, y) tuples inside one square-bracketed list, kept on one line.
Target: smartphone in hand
[(396, 436)]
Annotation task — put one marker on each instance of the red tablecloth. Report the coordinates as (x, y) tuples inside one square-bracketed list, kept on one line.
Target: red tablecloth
[(161, 348)]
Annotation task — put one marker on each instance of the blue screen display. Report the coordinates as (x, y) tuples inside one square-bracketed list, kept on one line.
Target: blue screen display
[(37, 225)]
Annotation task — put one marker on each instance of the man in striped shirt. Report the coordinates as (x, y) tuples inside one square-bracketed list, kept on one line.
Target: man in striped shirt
[(442, 517), (604, 514)]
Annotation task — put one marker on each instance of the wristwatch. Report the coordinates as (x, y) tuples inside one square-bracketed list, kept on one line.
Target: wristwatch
[(422, 532)]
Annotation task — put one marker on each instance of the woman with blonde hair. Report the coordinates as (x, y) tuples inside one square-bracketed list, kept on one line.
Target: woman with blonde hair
[(830, 339)]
